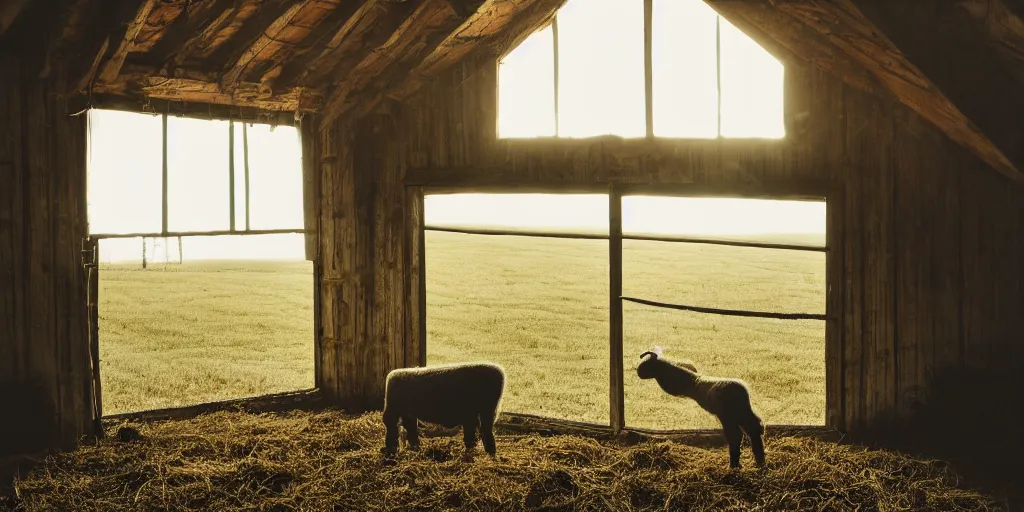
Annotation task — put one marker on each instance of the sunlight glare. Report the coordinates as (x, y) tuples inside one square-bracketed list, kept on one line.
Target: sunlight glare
[(125, 170), (684, 69), (197, 175), (752, 88), (601, 68), (526, 88)]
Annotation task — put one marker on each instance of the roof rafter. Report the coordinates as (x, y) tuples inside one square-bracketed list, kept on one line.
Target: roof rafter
[(288, 30), (491, 20), (259, 18), (199, 89), (420, 33), (185, 29), (851, 31), (366, 29), (112, 67), (284, 75)]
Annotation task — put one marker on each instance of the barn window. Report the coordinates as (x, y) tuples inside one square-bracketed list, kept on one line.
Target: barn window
[(204, 290), (523, 280), (584, 75)]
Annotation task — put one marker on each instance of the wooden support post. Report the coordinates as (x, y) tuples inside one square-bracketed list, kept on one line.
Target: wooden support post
[(835, 291), (648, 65), (718, 70), (163, 191), (245, 160), (617, 391), (554, 50), (92, 257), (231, 175)]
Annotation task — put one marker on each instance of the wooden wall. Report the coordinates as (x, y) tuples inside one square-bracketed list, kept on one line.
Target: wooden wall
[(924, 272), (44, 352)]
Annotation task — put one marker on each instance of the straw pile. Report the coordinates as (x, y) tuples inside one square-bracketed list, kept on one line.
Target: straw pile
[(330, 461)]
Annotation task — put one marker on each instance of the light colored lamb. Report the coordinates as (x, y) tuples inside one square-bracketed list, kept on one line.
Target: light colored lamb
[(466, 394), (726, 398)]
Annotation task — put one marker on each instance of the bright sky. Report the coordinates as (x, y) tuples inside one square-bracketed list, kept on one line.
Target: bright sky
[(601, 91)]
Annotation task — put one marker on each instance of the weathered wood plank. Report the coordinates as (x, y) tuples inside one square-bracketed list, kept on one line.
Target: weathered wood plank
[(368, 27), (835, 233), (112, 67), (854, 287), (847, 28), (871, 149), (416, 289), (199, 91), (251, 22), (421, 30), (199, 22), (287, 31), (284, 74), (13, 221), (310, 185)]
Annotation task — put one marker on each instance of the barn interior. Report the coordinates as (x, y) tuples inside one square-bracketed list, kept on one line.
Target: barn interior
[(903, 116)]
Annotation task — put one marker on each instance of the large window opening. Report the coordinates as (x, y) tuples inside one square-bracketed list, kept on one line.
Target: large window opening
[(204, 292), (586, 75), (539, 305)]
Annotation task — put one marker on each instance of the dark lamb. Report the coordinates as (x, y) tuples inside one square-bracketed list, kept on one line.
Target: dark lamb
[(466, 394), (728, 399)]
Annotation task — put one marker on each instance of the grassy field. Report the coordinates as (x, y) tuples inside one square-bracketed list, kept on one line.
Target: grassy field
[(204, 331)]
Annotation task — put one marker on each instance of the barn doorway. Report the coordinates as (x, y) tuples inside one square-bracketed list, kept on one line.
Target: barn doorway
[(523, 280), (203, 289)]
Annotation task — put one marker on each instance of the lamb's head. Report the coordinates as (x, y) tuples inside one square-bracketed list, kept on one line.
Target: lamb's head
[(649, 368)]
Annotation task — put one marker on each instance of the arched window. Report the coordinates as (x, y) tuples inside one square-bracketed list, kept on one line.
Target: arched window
[(583, 75)]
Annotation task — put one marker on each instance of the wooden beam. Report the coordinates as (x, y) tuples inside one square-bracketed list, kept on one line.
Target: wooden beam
[(242, 32), (503, 23), (163, 15), (320, 39), (277, 41), (184, 51), (851, 31), (186, 28), (366, 29), (420, 33), (266, 37), (113, 65), (788, 39), (244, 94)]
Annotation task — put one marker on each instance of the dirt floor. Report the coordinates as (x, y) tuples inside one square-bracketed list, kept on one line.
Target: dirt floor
[(330, 461)]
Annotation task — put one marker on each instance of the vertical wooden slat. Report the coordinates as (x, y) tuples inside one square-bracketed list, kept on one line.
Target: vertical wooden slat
[(245, 163), (310, 183), (616, 383), (415, 308), (555, 58), (853, 342), (834, 281), (94, 334), (231, 175), (163, 189), (42, 343), (649, 66), (872, 148), (13, 239)]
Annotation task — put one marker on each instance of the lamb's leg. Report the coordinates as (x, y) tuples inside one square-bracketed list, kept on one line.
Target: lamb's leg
[(735, 436), (412, 432), (469, 434), (391, 432), (755, 430), (487, 432)]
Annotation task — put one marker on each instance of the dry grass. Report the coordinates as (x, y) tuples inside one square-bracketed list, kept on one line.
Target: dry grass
[(329, 461)]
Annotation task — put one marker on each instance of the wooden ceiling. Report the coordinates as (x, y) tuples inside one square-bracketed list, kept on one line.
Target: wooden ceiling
[(329, 56), (958, 63)]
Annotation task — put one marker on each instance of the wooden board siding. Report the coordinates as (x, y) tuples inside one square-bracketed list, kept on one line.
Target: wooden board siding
[(43, 340)]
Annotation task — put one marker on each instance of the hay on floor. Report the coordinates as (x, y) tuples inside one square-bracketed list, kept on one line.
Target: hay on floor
[(330, 461)]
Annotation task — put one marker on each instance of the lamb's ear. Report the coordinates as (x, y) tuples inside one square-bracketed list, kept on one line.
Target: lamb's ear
[(657, 350)]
